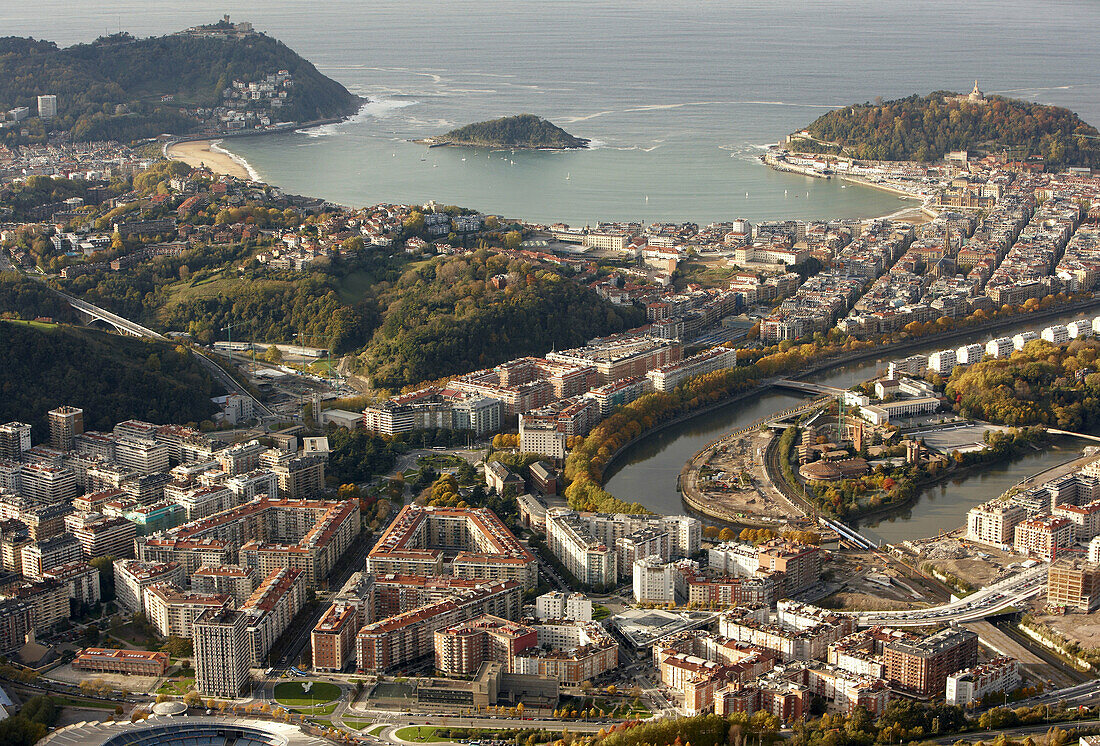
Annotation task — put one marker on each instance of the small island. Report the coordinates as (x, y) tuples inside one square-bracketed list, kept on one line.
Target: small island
[(520, 131), (925, 128)]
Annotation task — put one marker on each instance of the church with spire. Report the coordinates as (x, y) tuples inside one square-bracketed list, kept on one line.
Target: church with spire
[(975, 97)]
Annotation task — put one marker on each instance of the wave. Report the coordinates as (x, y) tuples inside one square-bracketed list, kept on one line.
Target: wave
[(253, 174), (375, 108), (682, 104)]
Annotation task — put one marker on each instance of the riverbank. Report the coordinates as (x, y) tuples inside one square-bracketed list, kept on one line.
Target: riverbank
[(209, 154), (629, 471)]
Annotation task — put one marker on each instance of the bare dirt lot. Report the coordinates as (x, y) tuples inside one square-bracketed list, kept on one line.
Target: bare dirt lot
[(869, 584), (976, 564), (68, 675), (1084, 628), (733, 478)]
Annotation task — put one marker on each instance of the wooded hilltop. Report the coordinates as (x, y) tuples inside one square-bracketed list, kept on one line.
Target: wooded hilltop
[(123, 88), (521, 131), (924, 128)]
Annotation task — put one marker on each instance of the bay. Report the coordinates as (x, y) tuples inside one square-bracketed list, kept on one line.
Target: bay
[(667, 91)]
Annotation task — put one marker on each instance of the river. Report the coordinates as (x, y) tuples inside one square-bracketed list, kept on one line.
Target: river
[(647, 471)]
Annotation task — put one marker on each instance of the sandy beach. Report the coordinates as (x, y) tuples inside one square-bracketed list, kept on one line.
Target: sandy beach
[(207, 153)]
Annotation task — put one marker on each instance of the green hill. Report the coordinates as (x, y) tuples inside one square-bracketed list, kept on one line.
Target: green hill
[(113, 88), (521, 131), (111, 378), (924, 128)]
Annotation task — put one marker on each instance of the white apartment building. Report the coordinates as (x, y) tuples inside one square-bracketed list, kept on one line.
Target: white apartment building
[(554, 605), (971, 684), (943, 362), (172, 611), (541, 437), (247, 487), (668, 377), (734, 558), (200, 502), (42, 556), (221, 653), (587, 558), (132, 577), (654, 581), (969, 354), (994, 523), (1080, 328), (999, 348), (143, 455), (1057, 334), (1021, 339)]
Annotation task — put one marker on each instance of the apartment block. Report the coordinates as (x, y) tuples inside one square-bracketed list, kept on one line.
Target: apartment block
[(172, 611), (65, 424), (41, 556), (132, 577), (994, 523), (101, 536), (415, 542), (234, 581), (1073, 584), (333, 638), (922, 667), (222, 655), (1043, 537), (972, 684), (271, 608)]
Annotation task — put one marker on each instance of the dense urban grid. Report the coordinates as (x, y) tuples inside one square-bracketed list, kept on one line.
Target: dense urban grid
[(410, 536)]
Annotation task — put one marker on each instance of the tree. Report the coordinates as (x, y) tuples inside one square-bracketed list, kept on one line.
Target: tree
[(273, 354), (726, 534), (512, 239)]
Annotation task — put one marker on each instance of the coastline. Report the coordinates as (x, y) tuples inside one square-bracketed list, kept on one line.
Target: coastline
[(209, 153)]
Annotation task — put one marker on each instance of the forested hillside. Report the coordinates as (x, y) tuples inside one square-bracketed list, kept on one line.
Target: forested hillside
[(111, 378), (445, 317), (924, 128), (23, 298), (113, 87), (1038, 386)]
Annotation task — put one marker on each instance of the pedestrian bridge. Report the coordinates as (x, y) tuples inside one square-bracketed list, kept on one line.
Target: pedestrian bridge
[(807, 388)]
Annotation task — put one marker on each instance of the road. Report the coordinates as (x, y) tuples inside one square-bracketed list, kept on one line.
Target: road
[(1012, 591), (1013, 733), (232, 384)]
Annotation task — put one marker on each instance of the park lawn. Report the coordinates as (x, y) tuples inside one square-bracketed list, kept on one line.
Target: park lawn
[(178, 688), (78, 702), (129, 632), (421, 733), (321, 722), (290, 693), (357, 724), (375, 731)]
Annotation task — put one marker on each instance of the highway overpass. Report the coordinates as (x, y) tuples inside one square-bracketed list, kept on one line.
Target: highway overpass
[(993, 599)]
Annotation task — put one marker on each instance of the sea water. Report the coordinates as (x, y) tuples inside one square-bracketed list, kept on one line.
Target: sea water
[(678, 98)]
